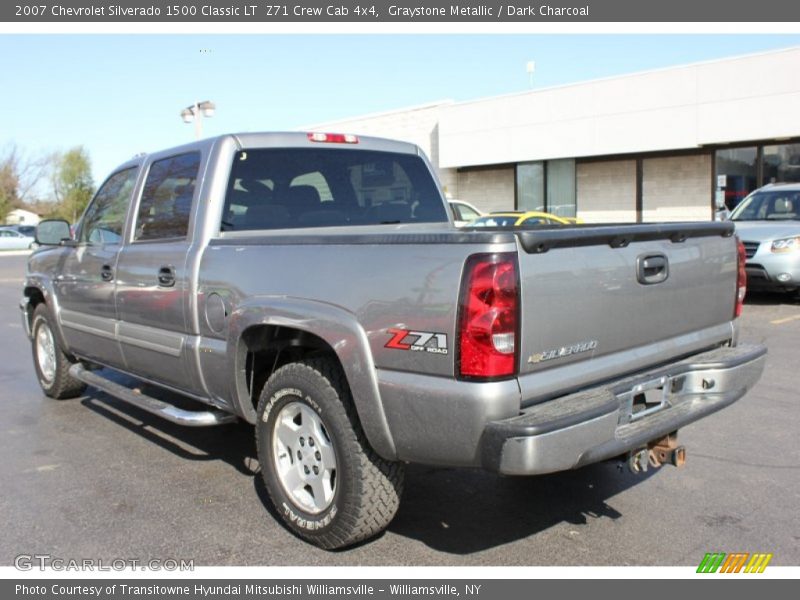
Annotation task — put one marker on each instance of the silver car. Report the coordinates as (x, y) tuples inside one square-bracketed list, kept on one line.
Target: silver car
[(11, 239), (768, 223)]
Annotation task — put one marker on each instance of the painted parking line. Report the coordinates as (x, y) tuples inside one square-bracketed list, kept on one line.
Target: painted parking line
[(785, 320)]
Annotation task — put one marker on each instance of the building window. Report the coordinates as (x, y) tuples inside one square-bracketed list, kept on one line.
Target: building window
[(737, 173), (547, 186), (561, 187), (781, 163), (530, 186)]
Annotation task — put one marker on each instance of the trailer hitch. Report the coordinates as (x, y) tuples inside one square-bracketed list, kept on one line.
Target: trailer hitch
[(664, 451)]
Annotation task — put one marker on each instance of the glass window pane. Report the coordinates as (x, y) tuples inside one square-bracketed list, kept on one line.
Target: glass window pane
[(782, 163), (530, 186), (328, 188), (736, 173), (105, 217), (561, 187), (166, 202)]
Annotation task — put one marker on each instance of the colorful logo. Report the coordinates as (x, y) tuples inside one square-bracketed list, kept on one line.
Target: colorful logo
[(738, 562)]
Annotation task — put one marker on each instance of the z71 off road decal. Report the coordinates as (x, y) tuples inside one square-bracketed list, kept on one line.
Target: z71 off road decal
[(417, 341)]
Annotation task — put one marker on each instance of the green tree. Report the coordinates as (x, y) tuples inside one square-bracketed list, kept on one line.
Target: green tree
[(73, 186), (9, 184)]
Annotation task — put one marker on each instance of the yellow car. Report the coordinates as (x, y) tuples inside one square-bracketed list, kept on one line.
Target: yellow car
[(519, 218)]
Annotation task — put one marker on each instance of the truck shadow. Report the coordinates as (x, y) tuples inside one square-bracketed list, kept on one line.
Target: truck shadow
[(233, 444), (772, 299), (462, 511), (458, 511)]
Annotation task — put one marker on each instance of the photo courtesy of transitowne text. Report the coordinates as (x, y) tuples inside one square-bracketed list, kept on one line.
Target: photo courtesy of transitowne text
[(398, 299)]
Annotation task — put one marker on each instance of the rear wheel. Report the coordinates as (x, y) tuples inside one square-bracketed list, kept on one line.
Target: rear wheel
[(322, 476), (51, 363)]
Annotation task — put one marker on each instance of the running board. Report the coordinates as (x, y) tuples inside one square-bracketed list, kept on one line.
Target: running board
[(190, 418)]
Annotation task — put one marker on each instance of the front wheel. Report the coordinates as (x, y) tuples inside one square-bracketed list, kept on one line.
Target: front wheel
[(51, 363), (322, 476)]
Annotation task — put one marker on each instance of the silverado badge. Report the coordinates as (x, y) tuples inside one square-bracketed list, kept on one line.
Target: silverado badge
[(535, 359)]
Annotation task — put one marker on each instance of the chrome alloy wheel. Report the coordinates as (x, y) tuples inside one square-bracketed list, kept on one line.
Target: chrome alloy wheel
[(305, 461), (46, 352)]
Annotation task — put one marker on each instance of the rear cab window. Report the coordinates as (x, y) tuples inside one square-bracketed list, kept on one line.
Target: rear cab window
[(296, 187)]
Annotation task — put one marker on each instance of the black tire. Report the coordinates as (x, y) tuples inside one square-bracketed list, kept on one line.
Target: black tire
[(55, 380), (366, 489)]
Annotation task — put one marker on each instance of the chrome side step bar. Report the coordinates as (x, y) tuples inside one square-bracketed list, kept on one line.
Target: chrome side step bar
[(190, 418)]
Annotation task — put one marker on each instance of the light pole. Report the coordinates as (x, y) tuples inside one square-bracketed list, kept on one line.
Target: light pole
[(531, 69), (195, 113)]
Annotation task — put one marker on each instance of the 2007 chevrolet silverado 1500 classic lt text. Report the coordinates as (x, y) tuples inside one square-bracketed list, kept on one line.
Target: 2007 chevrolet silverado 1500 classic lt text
[(315, 286)]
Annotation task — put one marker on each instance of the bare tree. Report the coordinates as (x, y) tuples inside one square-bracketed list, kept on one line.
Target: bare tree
[(21, 177)]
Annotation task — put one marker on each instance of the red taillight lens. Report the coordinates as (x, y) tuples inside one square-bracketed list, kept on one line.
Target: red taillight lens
[(741, 278), (333, 138), (489, 317)]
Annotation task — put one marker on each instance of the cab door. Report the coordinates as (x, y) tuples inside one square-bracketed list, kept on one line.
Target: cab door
[(86, 284), (153, 285)]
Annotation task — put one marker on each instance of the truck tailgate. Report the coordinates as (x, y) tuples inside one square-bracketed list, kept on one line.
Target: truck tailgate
[(623, 297)]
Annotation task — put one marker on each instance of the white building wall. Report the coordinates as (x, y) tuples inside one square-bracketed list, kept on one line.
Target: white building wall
[(22, 217), (677, 188), (747, 98), (606, 191)]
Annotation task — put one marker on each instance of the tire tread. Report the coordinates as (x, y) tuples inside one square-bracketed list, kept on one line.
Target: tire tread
[(380, 482)]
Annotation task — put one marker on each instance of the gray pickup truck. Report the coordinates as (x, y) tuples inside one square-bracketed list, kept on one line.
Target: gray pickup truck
[(315, 286)]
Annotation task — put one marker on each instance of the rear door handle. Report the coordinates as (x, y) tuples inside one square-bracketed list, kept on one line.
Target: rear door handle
[(106, 273), (166, 276), (652, 268)]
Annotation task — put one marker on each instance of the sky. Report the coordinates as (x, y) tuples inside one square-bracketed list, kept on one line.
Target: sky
[(119, 95)]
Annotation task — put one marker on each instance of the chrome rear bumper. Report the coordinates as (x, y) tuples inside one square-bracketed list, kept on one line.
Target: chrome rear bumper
[(607, 421)]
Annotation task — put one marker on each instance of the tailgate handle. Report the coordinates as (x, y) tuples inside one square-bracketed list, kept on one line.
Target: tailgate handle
[(652, 268)]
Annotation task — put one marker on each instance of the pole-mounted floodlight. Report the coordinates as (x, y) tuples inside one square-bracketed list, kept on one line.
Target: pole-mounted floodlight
[(196, 112), (530, 68)]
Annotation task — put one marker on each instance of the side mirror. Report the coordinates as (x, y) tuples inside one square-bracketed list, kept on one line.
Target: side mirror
[(52, 232)]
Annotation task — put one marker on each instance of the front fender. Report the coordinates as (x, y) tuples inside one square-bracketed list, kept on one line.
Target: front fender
[(341, 331), (45, 286)]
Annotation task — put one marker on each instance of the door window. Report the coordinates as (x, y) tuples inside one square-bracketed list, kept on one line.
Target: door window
[(105, 218), (166, 204)]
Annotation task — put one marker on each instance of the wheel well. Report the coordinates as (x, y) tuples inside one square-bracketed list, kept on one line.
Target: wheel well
[(35, 298), (265, 348)]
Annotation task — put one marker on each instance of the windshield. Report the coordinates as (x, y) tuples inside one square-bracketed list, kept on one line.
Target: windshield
[(778, 205)]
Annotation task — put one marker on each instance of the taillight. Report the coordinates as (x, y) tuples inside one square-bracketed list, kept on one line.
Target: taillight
[(333, 138), (741, 278), (489, 317)]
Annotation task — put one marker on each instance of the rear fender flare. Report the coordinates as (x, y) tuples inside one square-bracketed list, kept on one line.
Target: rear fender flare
[(341, 331)]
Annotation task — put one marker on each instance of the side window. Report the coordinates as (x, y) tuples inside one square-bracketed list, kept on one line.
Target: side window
[(166, 203), (105, 218), (467, 214)]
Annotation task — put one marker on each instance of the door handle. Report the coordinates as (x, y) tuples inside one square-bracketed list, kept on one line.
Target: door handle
[(653, 268), (166, 276), (106, 273)]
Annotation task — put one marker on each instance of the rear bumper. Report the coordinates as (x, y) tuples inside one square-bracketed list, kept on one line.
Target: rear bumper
[(599, 423)]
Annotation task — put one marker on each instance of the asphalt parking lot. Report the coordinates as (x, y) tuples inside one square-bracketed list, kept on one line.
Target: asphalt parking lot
[(96, 478)]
